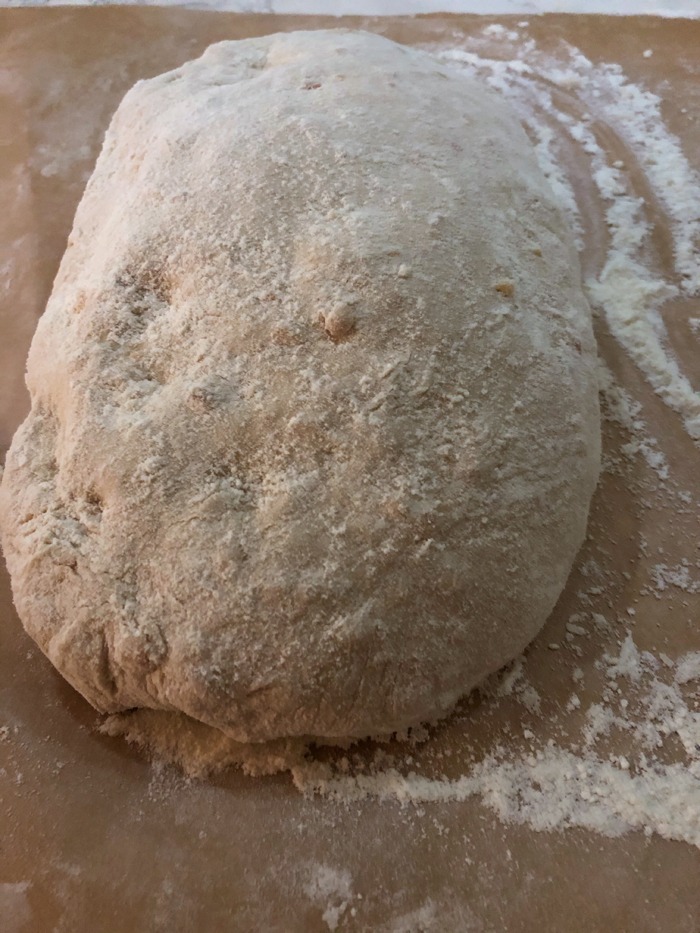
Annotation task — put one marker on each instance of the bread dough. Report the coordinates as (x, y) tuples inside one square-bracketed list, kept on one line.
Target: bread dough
[(314, 423)]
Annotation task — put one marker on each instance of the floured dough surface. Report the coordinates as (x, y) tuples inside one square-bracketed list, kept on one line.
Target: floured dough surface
[(314, 423)]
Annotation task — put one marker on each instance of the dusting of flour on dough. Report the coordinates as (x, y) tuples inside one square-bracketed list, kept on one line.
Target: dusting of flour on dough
[(315, 427)]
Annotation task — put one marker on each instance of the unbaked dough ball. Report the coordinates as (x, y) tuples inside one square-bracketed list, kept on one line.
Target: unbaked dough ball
[(314, 422)]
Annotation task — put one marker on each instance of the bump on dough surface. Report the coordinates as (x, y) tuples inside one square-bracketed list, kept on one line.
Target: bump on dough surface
[(314, 421)]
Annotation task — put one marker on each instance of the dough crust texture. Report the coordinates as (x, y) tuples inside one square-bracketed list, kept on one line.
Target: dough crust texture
[(314, 424)]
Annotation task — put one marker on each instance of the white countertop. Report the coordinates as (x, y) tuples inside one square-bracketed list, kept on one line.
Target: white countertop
[(668, 8)]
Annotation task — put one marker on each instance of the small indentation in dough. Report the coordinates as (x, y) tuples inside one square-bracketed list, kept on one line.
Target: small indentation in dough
[(156, 281), (201, 400), (287, 334), (94, 500), (221, 469), (311, 86), (80, 301), (142, 285)]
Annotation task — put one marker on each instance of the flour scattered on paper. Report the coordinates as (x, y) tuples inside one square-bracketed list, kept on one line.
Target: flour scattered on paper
[(554, 787), (646, 703), (332, 891), (15, 908)]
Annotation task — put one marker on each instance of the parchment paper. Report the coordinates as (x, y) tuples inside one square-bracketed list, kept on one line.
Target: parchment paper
[(92, 837)]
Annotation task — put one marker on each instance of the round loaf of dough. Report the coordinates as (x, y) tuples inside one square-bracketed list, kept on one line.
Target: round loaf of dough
[(314, 423)]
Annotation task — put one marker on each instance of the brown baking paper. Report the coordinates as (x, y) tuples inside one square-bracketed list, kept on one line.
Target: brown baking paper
[(93, 837)]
